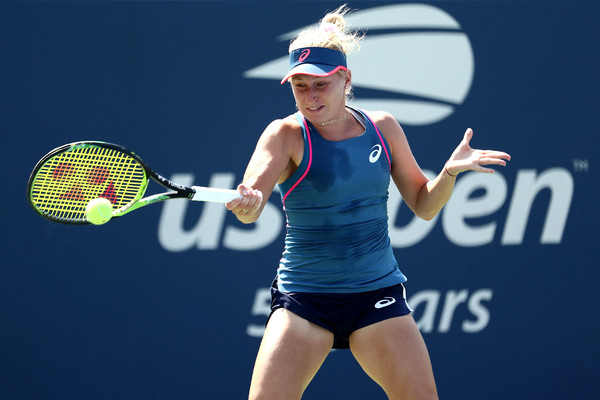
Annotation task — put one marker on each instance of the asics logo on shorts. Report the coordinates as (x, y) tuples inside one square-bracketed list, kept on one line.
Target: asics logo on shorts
[(374, 156), (385, 302)]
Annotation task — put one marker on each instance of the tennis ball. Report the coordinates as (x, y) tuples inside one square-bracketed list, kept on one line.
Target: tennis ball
[(99, 211)]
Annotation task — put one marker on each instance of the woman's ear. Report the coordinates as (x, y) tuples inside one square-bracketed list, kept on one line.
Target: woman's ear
[(348, 78)]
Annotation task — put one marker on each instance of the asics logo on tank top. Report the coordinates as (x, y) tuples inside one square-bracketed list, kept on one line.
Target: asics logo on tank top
[(375, 154), (416, 62), (385, 302)]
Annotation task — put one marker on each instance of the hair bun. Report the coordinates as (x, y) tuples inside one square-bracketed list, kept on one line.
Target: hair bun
[(331, 33)]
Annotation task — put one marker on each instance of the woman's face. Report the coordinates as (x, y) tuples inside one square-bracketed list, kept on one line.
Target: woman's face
[(321, 99)]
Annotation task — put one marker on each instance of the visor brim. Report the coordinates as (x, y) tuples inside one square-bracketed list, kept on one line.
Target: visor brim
[(313, 70)]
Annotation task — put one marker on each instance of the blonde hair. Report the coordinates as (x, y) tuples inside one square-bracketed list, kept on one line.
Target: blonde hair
[(332, 33)]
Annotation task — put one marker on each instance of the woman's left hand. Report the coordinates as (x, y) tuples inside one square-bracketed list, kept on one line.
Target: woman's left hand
[(465, 158)]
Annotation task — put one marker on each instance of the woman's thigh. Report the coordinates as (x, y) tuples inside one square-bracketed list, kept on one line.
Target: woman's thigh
[(290, 354), (393, 353)]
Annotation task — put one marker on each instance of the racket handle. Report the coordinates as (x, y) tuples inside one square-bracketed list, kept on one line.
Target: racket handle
[(214, 194)]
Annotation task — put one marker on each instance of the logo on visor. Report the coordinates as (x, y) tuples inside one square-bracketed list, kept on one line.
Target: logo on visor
[(303, 55)]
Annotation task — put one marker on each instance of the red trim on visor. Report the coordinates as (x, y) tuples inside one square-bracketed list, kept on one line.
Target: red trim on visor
[(292, 73)]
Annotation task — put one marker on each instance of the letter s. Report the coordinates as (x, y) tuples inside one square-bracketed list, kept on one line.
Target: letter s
[(478, 310)]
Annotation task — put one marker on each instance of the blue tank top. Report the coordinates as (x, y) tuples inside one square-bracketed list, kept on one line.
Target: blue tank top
[(336, 212)]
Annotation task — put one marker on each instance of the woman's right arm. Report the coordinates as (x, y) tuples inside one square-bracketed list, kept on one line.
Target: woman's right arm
[(275, 158)]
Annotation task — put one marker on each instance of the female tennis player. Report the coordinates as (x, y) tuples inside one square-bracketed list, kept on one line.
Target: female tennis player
[(338, 284)]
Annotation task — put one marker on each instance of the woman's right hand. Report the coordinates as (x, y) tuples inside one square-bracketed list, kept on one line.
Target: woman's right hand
[(247, 208)]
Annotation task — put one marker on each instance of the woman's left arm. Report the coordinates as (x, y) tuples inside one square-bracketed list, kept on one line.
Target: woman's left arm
[(427, 197)]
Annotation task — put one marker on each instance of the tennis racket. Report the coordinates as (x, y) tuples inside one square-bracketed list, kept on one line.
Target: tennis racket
[(66, 179)]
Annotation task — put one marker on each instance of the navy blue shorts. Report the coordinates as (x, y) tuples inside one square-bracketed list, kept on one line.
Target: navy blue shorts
[(343, 313)]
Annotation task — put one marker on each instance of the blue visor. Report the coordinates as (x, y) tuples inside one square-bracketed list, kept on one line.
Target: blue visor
[(315, 61)]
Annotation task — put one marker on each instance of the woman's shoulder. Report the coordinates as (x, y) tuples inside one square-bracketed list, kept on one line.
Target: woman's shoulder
[(284, 126), (384, 121), (285, 130), (379, 117), (388, 125)]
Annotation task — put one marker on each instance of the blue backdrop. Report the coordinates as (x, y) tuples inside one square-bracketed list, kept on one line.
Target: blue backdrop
[(170, 301)]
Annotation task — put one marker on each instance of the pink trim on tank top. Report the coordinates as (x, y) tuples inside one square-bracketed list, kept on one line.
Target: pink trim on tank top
[(382, 142), (307, 167)]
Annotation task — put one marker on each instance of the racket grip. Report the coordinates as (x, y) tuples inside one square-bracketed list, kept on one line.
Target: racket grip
[(214, 194)]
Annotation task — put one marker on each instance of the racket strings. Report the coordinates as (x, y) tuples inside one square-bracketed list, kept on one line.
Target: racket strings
[(67, 181)]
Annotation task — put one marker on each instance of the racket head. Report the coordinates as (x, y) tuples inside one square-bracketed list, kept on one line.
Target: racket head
[(66, 179)]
